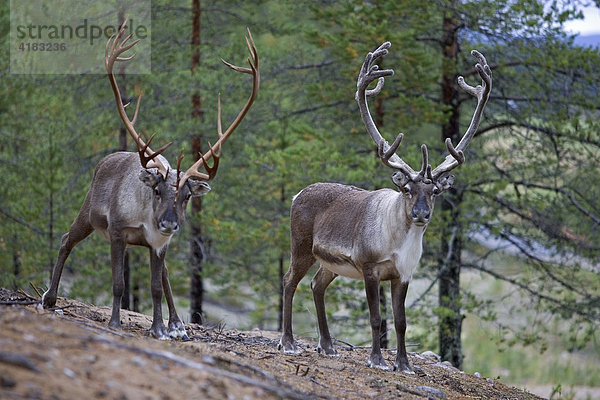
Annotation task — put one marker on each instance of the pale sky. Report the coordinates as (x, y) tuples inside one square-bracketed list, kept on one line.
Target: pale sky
[(589, 25)]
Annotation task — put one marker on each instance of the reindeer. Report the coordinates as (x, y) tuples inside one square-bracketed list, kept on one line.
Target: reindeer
[(132, 204), (371, 235)]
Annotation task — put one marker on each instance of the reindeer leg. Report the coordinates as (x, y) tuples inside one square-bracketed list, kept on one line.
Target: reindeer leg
[(372, 290), (399, 290), (299, 266), (176, 327), (80, 229), (322, 279), (157, 265), (117, 255)]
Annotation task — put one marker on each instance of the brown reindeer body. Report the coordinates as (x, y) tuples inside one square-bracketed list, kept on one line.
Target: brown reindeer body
[(391, 242), (370, 235), (138, 199), (129, 205)]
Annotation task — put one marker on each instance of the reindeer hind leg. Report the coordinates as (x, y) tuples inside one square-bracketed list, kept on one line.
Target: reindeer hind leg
[(79, 230), (322, 279), (299, 266)]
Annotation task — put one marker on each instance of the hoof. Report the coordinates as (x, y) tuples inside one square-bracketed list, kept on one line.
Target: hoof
[(160, 336), (377, 361), (48, 301), (288, 348), (177, 331), (406, 369), (378, 366), (114, 324), (328, 351), (160, 332), (177, 334), (401, 364)]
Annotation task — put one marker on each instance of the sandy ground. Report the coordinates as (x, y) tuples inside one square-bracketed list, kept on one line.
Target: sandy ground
[(70, 353)]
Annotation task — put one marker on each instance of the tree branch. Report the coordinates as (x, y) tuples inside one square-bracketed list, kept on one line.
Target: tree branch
[(539, 295)]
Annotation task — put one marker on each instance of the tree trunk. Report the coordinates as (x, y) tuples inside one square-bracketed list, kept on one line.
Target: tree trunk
[(196, 241), (450, 320), (280, 303), (17, 265)]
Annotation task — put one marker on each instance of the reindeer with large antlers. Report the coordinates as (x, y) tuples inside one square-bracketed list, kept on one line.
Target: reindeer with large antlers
[(371, 235), (138, 199)]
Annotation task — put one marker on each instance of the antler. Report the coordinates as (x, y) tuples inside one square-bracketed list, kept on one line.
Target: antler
[(482, 92), (215, 150), (112, 53), (368, 73)]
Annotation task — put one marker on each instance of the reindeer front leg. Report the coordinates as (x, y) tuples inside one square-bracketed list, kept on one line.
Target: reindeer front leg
[(372, 289), (157, 264), (176, 327), (117, 254), (399, 290)]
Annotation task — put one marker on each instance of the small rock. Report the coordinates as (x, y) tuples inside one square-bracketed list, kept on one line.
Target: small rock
[(431, 392), (138, 361), (447, 364), (431, 354), (477, 374), (69, 373), (208, 360), (29, 337)]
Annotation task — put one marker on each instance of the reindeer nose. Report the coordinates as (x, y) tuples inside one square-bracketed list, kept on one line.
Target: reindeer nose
[(421, 214), (168, 227)]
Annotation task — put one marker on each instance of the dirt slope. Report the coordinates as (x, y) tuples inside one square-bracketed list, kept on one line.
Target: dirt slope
[(70, 353)]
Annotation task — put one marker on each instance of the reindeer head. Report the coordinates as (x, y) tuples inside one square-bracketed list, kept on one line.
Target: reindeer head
[(168, 201), (419, 188), (172, 189)]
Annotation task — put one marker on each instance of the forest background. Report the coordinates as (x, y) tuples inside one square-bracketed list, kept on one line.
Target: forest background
[(511, 258)]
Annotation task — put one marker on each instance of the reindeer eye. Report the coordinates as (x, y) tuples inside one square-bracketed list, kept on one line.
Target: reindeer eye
[(406, 188), (156, 191)]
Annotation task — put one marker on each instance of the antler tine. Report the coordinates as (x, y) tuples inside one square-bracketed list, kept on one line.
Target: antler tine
[(377, 89), (215, 150), (482, 93), (216, 155), (151, 155), (425, 172), (176, 185), (384, 153), (137, 109), (219, 127), (369, 72), (113, 50)]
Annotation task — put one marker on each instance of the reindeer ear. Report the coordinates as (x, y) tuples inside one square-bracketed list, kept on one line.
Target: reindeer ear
[(446, 181), (401, 182), (149, 178), (198, 188), (399, 179)]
